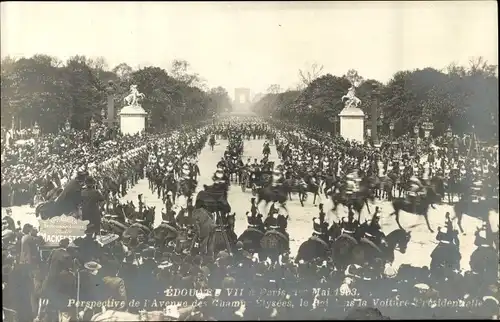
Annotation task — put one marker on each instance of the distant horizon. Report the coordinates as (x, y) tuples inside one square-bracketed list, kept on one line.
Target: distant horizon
[(256, 44)]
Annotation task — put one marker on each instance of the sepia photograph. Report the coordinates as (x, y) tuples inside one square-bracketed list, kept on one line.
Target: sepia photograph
[(260, 160)]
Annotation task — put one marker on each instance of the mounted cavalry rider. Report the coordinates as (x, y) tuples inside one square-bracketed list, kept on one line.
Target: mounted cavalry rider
[(195, 170), (254, 209), (352, 184), (222, 163), (451, 235), (326, 166), (350, 226), (185, 172), (373, 230), (169, 169), (278, 178), (255, 221), (320, 226), (168, 218), (416, 190), (316, 163), (271, 222)]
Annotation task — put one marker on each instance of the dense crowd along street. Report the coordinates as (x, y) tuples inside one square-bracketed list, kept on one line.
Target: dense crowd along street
[(249, 161), (265, 186)]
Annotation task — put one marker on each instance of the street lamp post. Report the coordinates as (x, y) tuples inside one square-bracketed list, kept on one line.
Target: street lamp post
[(391, 128), (381, 122), (110, 104), (374, 122), (335, 122), (37, 133)]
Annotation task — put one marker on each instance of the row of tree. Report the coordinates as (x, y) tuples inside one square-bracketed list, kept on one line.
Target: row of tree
[(46, 91), (463, 98)]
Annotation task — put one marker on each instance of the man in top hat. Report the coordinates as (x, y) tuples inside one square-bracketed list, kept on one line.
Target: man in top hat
[(91, 199)]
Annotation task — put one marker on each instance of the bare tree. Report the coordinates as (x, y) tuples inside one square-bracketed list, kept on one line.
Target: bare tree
[(274, 89), (180, 71), (98, 63), (308, 76), (478, 65)]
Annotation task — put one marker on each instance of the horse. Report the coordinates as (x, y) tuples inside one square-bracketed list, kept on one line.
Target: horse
[(211, 142), (170, 185), (295, 186), (109, 223), (266, 151), (397, 239), (454, 186), (251, 239), (186, 187), (316, 247), (474, 208), (419, 207), (225, 230), (385, 187), (445, 256), (312, 187), (272, 194), (131, 99), (273, 244)]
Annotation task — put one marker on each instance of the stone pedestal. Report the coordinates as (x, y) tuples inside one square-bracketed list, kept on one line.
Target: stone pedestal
[(352, 121), (132, 120)]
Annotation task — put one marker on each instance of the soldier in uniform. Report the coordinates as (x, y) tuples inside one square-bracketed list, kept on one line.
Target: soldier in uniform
[(416, 190), (351, 225), (140, 204), (195, 170), (271, 222), (255, 221), (320, 226), (222, 163), (373, 230), (254, 209), (277, 178), (350, 185)]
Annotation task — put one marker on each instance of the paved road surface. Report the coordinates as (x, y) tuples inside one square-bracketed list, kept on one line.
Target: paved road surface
[(300, 225)]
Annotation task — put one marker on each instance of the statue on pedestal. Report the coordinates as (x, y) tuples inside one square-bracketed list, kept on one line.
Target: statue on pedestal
[(352, 100), (132, 99), (351, 116)]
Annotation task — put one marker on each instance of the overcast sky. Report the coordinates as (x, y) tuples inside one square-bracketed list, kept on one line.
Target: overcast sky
[(257, 44)]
